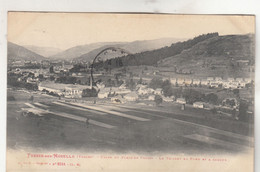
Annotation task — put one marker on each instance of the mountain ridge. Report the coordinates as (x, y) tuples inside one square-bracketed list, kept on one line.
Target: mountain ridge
[(17, 52), (77, 52)]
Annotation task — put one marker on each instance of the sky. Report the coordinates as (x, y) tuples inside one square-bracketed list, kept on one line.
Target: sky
[(66, 30)]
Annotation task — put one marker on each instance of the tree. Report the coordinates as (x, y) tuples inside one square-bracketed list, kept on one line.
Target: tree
[(10, 98), (140, 81), (52, 78), (242, 115), (156, 83), (167, 88), (89, 92), (192, 96), (158, 99), (51, 69), (41, 76), (177, 92), (130, 84), (31, 98), (211, 98), (236, 92)]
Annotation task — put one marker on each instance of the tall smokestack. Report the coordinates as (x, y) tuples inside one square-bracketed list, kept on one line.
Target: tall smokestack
[(91, 85)]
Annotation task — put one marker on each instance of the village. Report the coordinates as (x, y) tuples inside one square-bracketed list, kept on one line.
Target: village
[(60, 79)]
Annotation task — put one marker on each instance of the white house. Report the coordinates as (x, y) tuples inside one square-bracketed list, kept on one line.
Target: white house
[(180, 81), (242, 84), (213, 84), (142, 91), (210, 78), (187, 81), (167, 99), (117, 99), (151, 97), (196, 82), (122, 91), (173, 81), (158, 91), (204, 82), (247, 80), (131, 96), (123, 86), (198, 105), (73, 91), (52, 87), (239, 79), (225, 84), (181, 100), (230, 79), (234, 84), (218, 79), (103, 93)]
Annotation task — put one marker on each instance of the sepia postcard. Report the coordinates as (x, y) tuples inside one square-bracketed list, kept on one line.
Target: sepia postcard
[(130, 92)]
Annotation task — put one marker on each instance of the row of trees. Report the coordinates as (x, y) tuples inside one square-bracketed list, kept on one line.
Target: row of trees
[(190, 95)]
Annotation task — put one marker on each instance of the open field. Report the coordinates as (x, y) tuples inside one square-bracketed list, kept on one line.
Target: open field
[(121, 128)]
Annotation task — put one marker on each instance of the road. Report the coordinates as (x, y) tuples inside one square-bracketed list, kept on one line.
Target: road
[(118, 128)]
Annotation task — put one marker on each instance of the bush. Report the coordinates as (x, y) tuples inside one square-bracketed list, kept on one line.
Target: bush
[(211, 98), (242, 115), (158, 100), (89, 92), (156, 83), (31, 98), (10, 98), (192, 96)]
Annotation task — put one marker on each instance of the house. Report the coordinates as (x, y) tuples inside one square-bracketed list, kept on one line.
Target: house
[(187, 81), (198, 105), (247, 80), (117, 99), (242, 62), (103, 94), (242, 84), (73, 74), (158, 91), (234, 84), (140, 86), (32, 80), (52, 87), (100, 85), (122, 91), (225, 84), (73, 91), (173, 81), (131, 96), (239, 80), (167, 99), (218, 79), (123, 86), (210, 79), (230, 102), (143, 91), (213, 84), (180, 81), (196, 82), (204, 82), (230, 79), (181, 100), (151, 97)]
